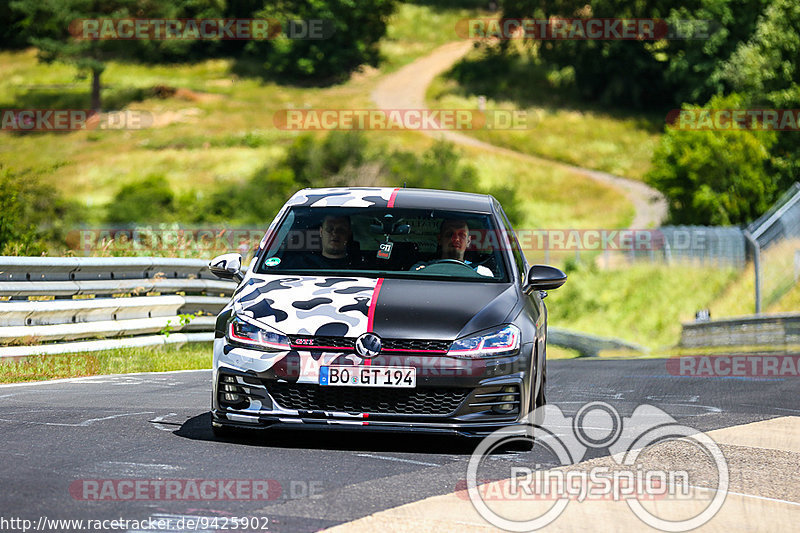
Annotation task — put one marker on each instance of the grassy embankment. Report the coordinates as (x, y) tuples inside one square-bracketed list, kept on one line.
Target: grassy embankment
[(121, 361), (558, 127)]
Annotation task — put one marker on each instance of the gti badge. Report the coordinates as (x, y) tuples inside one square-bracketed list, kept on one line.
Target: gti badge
[(368, 345)]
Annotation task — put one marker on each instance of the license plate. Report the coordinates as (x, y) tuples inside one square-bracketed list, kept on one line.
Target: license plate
[(368, 376)]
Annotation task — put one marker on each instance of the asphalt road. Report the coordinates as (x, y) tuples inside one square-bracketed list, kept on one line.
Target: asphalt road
[(58, 435)]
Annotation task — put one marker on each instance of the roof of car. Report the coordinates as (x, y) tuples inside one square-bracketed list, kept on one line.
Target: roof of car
[(392, 197)]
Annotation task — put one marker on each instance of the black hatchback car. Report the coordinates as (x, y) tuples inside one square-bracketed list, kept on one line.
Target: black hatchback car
[(383, 309)]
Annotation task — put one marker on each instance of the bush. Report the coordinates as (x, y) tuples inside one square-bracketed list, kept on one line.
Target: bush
[(357, 28), (441, 168), (714, 177), (338, 159), (147, 200), (33, 216)]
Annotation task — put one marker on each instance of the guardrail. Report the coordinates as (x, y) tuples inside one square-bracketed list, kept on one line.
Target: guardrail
[(776, 331), (588, 345), (49, 303)]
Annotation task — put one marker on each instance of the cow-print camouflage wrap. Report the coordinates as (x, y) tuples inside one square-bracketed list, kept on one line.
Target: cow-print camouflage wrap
[(308, 305), (342, 197), (296, 305)]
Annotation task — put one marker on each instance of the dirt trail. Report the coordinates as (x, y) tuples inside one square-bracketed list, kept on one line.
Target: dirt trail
[(405, 89)]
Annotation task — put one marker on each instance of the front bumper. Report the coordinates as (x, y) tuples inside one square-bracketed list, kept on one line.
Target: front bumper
[(452, 396)]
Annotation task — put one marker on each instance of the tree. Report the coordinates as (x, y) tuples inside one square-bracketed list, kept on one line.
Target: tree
[(11, 34), (645, 73), (766, 71), (49, 23), (715, 177), (353, 29)]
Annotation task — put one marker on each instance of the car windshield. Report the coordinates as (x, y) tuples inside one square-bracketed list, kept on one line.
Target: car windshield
[(381, 242)]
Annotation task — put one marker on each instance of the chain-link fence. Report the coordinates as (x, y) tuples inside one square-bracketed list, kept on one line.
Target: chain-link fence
[(721, 246), (771, 243), (712, 246)]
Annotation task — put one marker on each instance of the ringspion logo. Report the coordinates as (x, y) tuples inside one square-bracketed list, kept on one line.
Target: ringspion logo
[(561, 475)]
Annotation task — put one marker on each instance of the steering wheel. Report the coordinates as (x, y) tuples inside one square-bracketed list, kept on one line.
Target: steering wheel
[(452, 262), (441, 266)]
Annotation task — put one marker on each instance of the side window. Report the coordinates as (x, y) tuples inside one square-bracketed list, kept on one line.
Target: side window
[(519, 257)]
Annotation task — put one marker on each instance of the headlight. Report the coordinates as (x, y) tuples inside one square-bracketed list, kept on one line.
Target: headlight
[(504, 341), (242, 332)]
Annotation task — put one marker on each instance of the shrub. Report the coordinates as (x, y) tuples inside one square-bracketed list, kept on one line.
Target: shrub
[(148, 200), (714, 177), (33, 216)]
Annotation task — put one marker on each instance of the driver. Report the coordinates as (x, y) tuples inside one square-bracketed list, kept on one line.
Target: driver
[(453, 239)]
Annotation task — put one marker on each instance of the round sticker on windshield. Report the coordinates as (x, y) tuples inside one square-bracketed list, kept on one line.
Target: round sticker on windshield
[(272, 261)]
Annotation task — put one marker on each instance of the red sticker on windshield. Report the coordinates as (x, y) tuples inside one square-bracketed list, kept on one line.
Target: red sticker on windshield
[(385, 250)]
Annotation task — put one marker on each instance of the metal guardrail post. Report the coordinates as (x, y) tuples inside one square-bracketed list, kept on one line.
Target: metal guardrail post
[(796, 265), (756, 268)]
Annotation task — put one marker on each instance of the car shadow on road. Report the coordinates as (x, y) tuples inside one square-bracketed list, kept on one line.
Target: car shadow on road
[(199, 428)]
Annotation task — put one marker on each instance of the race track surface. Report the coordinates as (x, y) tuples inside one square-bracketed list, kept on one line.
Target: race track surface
[(58, 435)]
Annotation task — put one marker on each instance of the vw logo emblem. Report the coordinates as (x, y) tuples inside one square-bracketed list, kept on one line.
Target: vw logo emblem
[(368, 345)]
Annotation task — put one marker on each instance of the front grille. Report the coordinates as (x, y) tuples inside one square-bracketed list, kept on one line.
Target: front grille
[(347, 343), (415, 345), (378, 400)]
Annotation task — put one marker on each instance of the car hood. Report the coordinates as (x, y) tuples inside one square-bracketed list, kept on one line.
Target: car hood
[(391, 308)]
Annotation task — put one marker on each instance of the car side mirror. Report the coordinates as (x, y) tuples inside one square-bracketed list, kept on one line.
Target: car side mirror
[(227, 266), (544, 278)]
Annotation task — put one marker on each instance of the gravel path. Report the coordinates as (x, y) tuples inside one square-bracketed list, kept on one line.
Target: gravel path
[(405, 89)]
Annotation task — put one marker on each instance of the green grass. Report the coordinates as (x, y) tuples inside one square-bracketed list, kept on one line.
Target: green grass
[(121, 361), (559, 352), (643, 303), (780, 294), (415, 30), (789, 303), (621, 144), (552, 196)]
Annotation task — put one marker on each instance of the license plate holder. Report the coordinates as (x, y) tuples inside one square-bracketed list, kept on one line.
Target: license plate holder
[(398, 377)]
